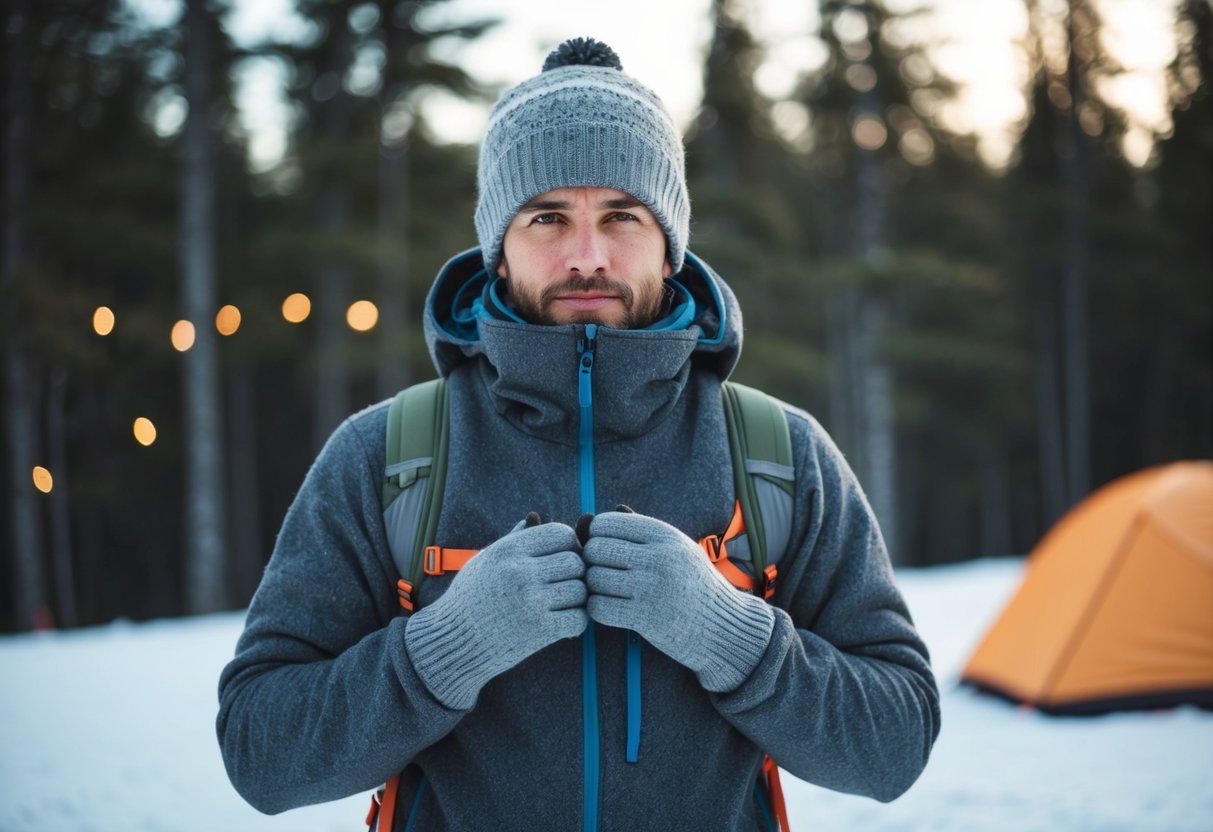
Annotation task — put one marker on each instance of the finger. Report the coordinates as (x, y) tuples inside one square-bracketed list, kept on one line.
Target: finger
[(559, 566), (548, 538), (567, 595), (610, 583), (611, 552), (633, 527)]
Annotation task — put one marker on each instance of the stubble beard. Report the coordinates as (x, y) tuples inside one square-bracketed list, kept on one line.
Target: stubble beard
[(639, 309)]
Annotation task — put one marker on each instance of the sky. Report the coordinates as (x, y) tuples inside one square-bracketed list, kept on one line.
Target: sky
[(662, 44)]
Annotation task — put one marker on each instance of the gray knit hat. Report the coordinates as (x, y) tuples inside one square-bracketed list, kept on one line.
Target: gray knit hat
[(581, 122)]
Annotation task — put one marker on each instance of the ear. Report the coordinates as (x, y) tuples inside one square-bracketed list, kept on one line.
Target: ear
[(667, 269), (503, 270)]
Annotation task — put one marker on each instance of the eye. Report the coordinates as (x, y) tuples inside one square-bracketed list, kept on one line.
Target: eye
[(622, 216), (546, 219)]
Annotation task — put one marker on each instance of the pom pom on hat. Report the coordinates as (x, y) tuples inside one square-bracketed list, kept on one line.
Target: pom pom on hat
[(582, 52), (581, 122)]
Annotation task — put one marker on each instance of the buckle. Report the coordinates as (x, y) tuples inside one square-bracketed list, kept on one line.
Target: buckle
[(712, 547), (433, 560), (768, 580), (405, 592)]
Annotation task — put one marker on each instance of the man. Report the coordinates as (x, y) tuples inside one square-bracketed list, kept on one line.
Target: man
[(605, 677)]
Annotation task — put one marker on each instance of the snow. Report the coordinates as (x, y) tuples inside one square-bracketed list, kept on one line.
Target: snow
[(112, 728)]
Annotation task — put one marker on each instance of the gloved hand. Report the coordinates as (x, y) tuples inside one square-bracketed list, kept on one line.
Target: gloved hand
[(646, 575), (511, 600)]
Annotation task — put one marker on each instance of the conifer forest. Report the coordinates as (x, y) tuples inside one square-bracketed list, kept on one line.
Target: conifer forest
[(988, 341)]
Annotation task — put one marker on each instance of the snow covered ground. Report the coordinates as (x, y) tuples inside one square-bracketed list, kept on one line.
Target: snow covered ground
[(112, 729)]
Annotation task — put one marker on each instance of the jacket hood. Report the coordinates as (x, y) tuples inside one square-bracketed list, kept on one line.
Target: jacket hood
[(464, 298)]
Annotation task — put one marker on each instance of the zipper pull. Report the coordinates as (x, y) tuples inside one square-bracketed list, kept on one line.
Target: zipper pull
[(585, 347)]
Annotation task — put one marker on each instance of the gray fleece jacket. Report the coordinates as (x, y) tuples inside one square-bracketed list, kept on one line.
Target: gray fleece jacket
[(323, 700)]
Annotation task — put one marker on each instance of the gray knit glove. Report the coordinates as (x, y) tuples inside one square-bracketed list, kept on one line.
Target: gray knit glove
[(647, 576), (511, 600)]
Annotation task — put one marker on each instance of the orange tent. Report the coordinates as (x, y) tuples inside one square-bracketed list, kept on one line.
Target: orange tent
[(1116, 606)]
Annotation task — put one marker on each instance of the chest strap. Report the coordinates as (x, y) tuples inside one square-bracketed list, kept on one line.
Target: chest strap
[(439, 560)]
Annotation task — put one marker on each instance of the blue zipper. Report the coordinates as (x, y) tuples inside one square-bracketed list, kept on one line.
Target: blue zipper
[(589, 650), (633, 685)]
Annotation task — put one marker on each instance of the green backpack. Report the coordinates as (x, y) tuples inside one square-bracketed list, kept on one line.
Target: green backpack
[(763, 479), (747, 553)]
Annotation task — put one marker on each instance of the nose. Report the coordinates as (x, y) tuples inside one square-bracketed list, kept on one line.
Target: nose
[(587, 251)]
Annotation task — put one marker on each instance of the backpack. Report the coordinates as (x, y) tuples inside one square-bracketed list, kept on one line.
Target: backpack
[(747, 553)]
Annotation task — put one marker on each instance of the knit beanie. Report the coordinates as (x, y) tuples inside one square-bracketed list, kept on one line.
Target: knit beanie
[(581, 122)]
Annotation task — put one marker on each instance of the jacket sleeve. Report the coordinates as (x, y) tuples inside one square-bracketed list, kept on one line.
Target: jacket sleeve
[(844, 696), (321, 701)]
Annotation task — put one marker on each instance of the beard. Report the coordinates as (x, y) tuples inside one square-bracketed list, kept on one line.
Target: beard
[(641, 306)]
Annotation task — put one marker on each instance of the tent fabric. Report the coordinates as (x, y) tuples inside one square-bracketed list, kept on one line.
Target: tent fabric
[(1116, 605)]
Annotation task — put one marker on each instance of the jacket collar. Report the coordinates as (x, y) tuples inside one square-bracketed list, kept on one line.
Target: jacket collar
[(531, 371)]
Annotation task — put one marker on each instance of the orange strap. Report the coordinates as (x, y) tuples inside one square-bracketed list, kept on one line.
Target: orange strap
[(383, 807), (440, 560), (716, 548), (773, 786)]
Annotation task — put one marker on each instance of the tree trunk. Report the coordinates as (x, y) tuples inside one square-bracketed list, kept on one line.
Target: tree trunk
[(61, 520), (876, 379), (1075, 164), (331, 392), (392, 370), (1048, 409), (996, 538), (246, 558), (839, 347), (205, 523), (21, 432)]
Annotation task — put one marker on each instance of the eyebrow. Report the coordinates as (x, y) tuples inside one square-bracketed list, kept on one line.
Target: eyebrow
[(617, 204)]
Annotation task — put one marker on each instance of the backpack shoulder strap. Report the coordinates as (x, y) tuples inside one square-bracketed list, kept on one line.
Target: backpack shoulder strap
[(415, 474), (763, 474)]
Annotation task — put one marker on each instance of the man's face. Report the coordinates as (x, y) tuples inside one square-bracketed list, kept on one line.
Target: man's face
[(585, 255)]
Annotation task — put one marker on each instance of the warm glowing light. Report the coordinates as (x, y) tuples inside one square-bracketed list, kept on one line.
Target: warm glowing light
[(228, 320), (145, 431), (43, 481), (869, 133), (296, 308), (103, 320), (362, 315), (183, 336), (917, 147), (861, 77)]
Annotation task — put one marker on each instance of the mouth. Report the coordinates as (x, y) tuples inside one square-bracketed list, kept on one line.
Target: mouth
[(585, 301)]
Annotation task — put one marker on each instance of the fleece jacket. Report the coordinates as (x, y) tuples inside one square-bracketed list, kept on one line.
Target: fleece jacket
[(323, 699)]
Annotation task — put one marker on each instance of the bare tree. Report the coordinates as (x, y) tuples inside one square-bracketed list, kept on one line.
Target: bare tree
[(19, 388), (205, 524), (61, 523)]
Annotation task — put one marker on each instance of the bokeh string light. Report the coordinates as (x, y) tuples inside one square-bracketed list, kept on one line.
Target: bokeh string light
[(43, 481), (145, 431), (182, 336), (361, 316), (103, 320), (227, 321), (296, 308)]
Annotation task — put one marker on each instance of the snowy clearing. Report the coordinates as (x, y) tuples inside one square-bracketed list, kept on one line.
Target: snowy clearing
[(112, 728)]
